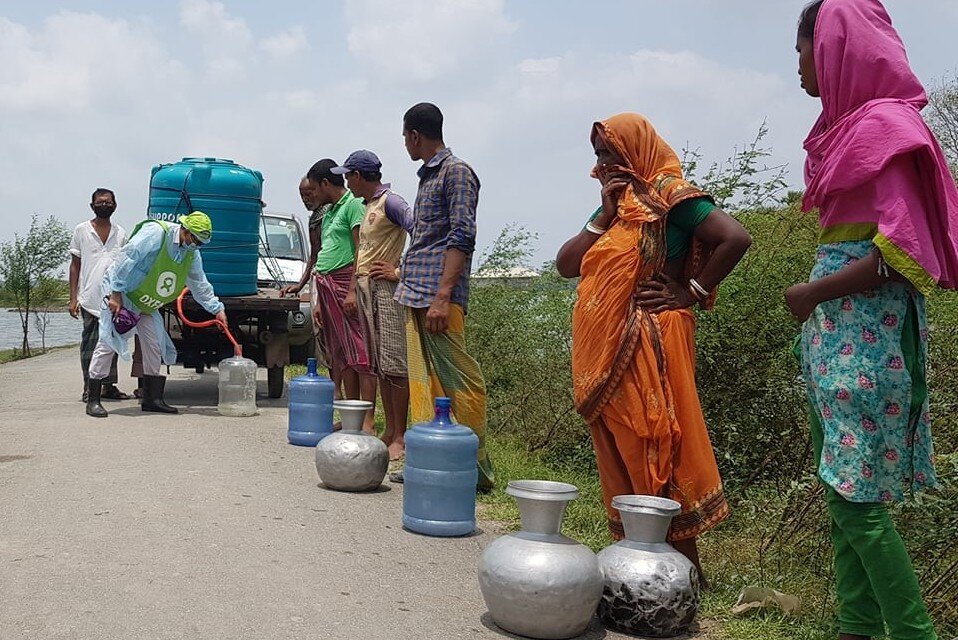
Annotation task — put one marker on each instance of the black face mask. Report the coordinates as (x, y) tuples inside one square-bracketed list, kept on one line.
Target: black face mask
[(104, 210)]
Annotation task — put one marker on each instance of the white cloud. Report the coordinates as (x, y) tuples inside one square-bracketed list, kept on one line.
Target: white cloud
[(286, 43), (76, 61), (210, 19), (422, 40), (88, 100), (225, 39), (529, 134)]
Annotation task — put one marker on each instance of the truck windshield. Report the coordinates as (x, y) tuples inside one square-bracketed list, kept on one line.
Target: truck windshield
[(280, 238)]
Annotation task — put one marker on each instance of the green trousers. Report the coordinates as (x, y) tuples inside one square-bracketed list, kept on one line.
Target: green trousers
[(874, 578)]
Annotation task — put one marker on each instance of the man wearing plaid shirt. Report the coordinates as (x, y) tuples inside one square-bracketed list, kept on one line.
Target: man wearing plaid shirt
[(434, 283)]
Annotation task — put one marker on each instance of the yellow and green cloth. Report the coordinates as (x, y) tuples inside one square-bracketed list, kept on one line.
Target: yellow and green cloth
[(440, 366)]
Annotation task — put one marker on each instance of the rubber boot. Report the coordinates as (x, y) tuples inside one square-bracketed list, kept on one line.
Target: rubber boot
[(153, 395), (93, 406)]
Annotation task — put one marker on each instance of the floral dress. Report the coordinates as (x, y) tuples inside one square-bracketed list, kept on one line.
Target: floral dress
[(863, 358)]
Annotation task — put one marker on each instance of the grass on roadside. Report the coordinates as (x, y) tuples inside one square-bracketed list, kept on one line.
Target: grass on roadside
[(12, 355)]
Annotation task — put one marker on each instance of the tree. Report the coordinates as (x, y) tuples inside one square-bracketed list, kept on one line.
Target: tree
[(942, 117), (50, 294), (25, 263), (743, 182)]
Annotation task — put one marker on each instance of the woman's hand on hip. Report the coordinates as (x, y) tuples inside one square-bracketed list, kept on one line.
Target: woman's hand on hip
[(663, 294)]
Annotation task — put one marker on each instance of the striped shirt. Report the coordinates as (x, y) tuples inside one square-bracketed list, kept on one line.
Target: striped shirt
[(445, 218)]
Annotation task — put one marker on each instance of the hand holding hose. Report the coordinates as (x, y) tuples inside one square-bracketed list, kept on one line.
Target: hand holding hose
[(220, 320)]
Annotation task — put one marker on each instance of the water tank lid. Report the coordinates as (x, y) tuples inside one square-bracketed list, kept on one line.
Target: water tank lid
[(212, 160)]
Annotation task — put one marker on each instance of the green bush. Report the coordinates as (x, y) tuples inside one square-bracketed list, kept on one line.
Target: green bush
[(748, 381)]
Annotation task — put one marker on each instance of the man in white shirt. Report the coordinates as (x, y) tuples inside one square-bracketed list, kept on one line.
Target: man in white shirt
[(94, 246)]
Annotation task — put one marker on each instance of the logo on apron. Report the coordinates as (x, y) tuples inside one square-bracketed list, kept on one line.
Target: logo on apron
[(166, 284)]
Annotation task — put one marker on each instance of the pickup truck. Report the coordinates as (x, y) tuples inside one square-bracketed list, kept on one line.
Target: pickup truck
[(273, 330)]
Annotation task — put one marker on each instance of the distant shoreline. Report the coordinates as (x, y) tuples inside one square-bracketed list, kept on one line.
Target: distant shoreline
[(63, 309)]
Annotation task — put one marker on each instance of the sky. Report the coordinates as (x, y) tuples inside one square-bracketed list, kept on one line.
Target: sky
[(95, 93)]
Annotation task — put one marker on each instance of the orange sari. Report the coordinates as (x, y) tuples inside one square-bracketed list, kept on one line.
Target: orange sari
[(634, 372)]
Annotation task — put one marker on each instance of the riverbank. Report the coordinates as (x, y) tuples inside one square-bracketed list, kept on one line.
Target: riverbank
[(12, 355)]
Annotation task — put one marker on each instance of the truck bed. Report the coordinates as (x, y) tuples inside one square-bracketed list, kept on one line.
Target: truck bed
[(262, 300)]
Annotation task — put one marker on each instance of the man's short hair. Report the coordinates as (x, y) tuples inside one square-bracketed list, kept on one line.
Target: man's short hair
[(426, 118), (371, 176), (102, 192), (321, 171)]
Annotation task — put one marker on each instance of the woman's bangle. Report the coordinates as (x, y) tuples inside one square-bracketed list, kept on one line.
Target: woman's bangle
[(697, 288), (592, 228)]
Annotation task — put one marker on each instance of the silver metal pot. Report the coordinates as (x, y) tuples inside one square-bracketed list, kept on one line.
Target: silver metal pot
[(650, 588), (350, 460), (537, 582)]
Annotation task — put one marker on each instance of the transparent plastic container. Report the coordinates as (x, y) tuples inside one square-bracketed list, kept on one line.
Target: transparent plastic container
[(237, 387)]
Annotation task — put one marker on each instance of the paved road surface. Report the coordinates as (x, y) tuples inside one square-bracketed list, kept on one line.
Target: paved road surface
[(203, 527)]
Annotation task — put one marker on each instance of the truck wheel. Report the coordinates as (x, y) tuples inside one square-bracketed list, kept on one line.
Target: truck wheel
[(275, 377), (200, 368)]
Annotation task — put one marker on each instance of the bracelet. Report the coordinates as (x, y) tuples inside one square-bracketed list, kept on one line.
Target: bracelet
[(695, 286), (592, 228), (695, 294)]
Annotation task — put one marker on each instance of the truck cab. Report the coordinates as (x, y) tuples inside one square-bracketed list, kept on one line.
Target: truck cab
[(283, 255)]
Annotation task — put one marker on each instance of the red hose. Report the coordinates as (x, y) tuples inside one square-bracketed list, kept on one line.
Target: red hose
[(237, 347)]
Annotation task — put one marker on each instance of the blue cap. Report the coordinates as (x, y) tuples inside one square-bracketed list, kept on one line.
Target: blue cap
[(443, 403), (361, 160)]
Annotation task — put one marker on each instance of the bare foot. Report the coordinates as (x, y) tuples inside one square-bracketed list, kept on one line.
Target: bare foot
[(397, 450), (337, 426)]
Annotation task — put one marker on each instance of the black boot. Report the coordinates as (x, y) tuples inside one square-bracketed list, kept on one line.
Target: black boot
[(93, 406), (153, 395)]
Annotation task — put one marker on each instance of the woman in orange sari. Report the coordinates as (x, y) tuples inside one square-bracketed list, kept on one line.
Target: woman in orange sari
[(657, 246)]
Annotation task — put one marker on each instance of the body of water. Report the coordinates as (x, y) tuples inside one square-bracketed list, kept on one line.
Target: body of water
[(61, 330)]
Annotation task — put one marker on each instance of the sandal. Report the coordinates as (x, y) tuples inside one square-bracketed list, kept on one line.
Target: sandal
[(112, 393)]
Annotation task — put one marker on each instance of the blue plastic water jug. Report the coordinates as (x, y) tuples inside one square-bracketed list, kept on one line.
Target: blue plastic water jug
[(231, 195), (440, 476), (310, 407)]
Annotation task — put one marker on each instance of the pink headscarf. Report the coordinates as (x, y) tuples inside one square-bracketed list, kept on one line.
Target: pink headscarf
[(870, 146)]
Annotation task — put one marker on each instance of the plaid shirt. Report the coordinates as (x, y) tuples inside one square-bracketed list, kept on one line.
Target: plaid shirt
[(445, 217)]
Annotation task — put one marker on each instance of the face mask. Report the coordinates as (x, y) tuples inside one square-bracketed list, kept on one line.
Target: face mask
[(104, 210)]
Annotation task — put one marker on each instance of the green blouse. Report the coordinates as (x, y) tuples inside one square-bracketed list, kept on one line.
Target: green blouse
[(680, 224)]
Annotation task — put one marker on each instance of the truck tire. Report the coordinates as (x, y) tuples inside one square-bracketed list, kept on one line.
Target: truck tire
[(275, 377), (200, 368)]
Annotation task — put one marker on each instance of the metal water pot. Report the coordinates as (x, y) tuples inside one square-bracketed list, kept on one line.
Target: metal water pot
[(650, 588), (537, 582), (349, 459)]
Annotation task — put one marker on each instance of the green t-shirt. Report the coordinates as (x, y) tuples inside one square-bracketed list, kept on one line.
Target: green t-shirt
[(680, 224), (337, 234)]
